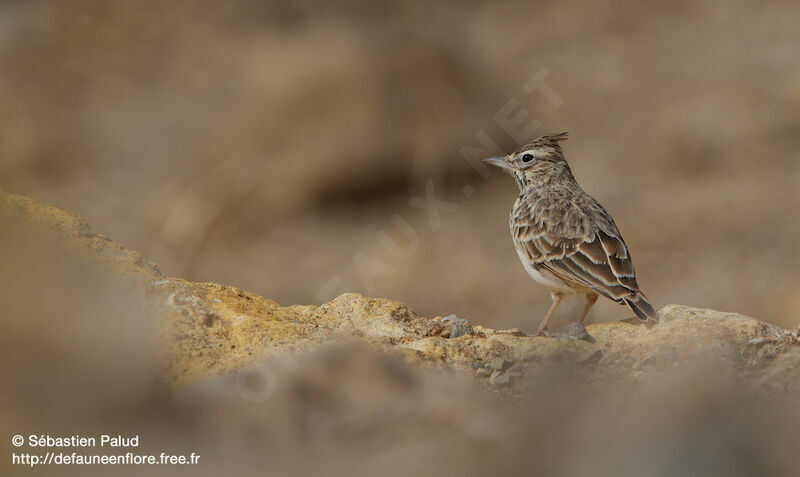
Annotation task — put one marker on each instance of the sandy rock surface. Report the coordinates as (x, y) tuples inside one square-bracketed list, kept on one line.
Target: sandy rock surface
[(211, 329), (100, 341)]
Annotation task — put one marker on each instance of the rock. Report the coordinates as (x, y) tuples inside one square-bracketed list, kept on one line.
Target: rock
[(500, 379), (123, 264), (499, 364), (355, 379), (575, 331), (458, 326), (210, 328)]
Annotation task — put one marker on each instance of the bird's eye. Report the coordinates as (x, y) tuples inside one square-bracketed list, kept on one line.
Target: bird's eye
[(527, 158)]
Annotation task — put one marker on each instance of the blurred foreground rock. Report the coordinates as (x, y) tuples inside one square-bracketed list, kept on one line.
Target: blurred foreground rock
[(213, 329), (96, 340)]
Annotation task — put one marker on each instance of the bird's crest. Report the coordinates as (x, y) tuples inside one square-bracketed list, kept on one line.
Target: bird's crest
[(551, 139), (546, 141)]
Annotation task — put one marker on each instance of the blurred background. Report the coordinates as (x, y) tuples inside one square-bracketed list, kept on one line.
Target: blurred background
[(275, 146), (302, 148)]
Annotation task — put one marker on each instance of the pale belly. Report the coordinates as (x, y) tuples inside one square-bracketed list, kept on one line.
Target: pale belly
[(546, 279)]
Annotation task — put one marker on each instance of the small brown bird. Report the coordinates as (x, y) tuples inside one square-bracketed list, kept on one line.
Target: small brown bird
[(565, 239)]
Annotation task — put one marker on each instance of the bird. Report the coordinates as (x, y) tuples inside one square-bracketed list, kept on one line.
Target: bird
[(566, 240)]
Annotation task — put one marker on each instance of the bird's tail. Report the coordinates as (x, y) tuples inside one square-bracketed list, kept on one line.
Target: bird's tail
[(642, 307)]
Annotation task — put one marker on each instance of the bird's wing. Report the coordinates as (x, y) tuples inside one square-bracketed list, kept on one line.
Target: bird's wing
[(584, 255)]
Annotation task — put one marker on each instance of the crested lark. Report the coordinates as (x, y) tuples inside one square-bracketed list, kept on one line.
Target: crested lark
[(565, 239)]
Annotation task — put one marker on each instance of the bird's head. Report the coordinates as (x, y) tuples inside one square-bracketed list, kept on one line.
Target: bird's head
[(537, 162)]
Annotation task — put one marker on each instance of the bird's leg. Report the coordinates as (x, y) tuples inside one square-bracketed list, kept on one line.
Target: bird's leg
[(556, 296), (590, 299)]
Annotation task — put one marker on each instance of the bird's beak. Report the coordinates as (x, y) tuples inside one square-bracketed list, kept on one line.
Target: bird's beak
[(498, 161)]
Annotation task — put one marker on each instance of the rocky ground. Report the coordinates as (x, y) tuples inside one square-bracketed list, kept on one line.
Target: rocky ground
[(365, 384), (196, 128)]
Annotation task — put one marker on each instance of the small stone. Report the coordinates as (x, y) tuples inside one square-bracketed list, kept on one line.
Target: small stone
[(500, 379), (460, 329), (458, 326), (499, 364), (516, 368), (575, 332)]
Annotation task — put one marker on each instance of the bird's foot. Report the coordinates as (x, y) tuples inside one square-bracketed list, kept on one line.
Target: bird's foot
[(544, 333)]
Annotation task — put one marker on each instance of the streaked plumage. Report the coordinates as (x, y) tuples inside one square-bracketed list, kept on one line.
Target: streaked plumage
[(565, 239)]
